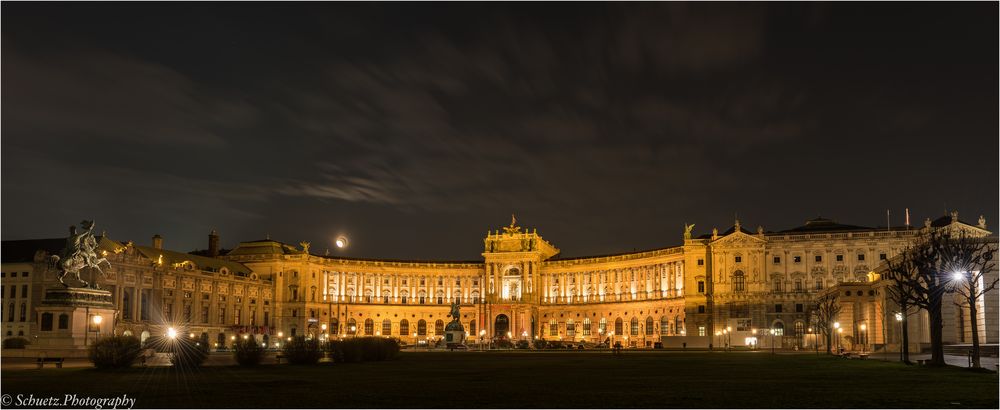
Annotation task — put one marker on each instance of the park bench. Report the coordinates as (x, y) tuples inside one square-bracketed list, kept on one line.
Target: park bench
[(862, 356), (58, 361), (278, 357), (922, 361)]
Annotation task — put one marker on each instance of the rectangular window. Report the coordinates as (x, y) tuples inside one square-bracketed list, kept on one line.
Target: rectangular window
[(797, 259), (777, 260), (13, 291), (222, 315), (24, 291), (819, 284), (267, 317), (553, 329), (777, 308), (237, 313), (840, 258), (798, 307), (701, 262), (701, 330), (24, 274), (881, 256), (861, 256), (204, 314), (819, 258), (701, 308), (739, 259), (701, 286)]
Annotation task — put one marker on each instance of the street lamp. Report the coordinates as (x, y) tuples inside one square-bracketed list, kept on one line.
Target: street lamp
[(772, 340), (839, 333), (864, 338), (341, 242), (171, 333), (97, 324)]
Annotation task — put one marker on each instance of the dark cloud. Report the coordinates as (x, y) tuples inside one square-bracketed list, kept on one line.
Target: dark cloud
[(416, 128)]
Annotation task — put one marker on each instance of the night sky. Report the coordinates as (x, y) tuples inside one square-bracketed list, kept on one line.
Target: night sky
[(415, 128)]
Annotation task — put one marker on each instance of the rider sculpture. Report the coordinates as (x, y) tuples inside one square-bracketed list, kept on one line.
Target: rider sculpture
[(80, 252)]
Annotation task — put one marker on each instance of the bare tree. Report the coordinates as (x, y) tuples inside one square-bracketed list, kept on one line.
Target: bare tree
[(969, 259), (899, 271), (925, 285), (826, 310)]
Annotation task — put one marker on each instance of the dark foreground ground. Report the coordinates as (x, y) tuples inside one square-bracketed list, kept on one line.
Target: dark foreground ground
[(535, 380)]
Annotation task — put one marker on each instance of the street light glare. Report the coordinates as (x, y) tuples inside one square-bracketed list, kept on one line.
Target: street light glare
[(171, 333), (341, 242)]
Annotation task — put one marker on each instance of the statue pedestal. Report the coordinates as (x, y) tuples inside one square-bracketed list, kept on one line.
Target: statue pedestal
[(70, 320), (454, 334)]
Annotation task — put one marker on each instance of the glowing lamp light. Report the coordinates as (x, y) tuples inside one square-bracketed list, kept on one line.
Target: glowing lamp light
[(836, 325), (899, 317), (191, 335), (281, 334), (957, 276), (481, 332), (245, 337), (323, 326), (232, 337), (98, 319), (341, 242), (171, 333), (863, 327), (729, 328)]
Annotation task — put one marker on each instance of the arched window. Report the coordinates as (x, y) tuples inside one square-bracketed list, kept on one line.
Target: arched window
[(402, 296), (739, 281), (779, 329), (439, 327), (386, 327), (335, 326), (423, 297), (602, 326), (24, 312), (220, 340), (586, 326), (799, 329), (553, 328), (475, 297), (369, 327), (143, 336), (440, 297), (422, 328), (352, 326), (649, 326), (404, 327), (10, 312), (570, 329), (472, 328), (619, 330), (634, 326), (63, 321), (777, 284), (678, 325)]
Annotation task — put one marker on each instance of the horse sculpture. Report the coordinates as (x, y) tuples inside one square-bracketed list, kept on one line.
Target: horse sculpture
[(79, 253)]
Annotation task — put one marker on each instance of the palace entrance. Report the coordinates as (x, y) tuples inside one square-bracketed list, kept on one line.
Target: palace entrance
[(501, 326)]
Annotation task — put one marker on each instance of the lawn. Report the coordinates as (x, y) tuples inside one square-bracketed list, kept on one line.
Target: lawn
[(536, 380)]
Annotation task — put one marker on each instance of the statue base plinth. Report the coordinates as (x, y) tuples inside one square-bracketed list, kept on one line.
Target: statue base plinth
[(70, 320), (454, 334)]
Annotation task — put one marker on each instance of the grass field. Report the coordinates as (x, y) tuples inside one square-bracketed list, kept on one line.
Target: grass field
[(536, 380)]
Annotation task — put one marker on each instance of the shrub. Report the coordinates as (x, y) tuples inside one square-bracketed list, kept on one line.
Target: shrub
[(186, 352), (522, 344), (115, 352), (540, 344), (363, 349), (302, 351), (247, 352), (15, 343)]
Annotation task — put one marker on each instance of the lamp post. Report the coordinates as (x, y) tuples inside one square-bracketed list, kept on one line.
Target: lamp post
[(97, 324), (754, 332), (836, 328), (729, 337), (839, 333), (864, 338), (772, 340)]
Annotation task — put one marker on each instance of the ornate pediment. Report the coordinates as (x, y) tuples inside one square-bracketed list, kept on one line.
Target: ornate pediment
[(738, 239)]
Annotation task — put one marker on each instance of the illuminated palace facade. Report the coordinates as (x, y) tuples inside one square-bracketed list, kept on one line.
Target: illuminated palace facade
[(756, 286)]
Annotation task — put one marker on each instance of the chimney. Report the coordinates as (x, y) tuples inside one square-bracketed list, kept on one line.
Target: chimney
[(213, 244), (157, 241)]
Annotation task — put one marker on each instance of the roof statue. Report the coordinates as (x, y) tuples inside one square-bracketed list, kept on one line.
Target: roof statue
[(513, 228), (687, 230), (80, 252), (305, 246), (982, 222)]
